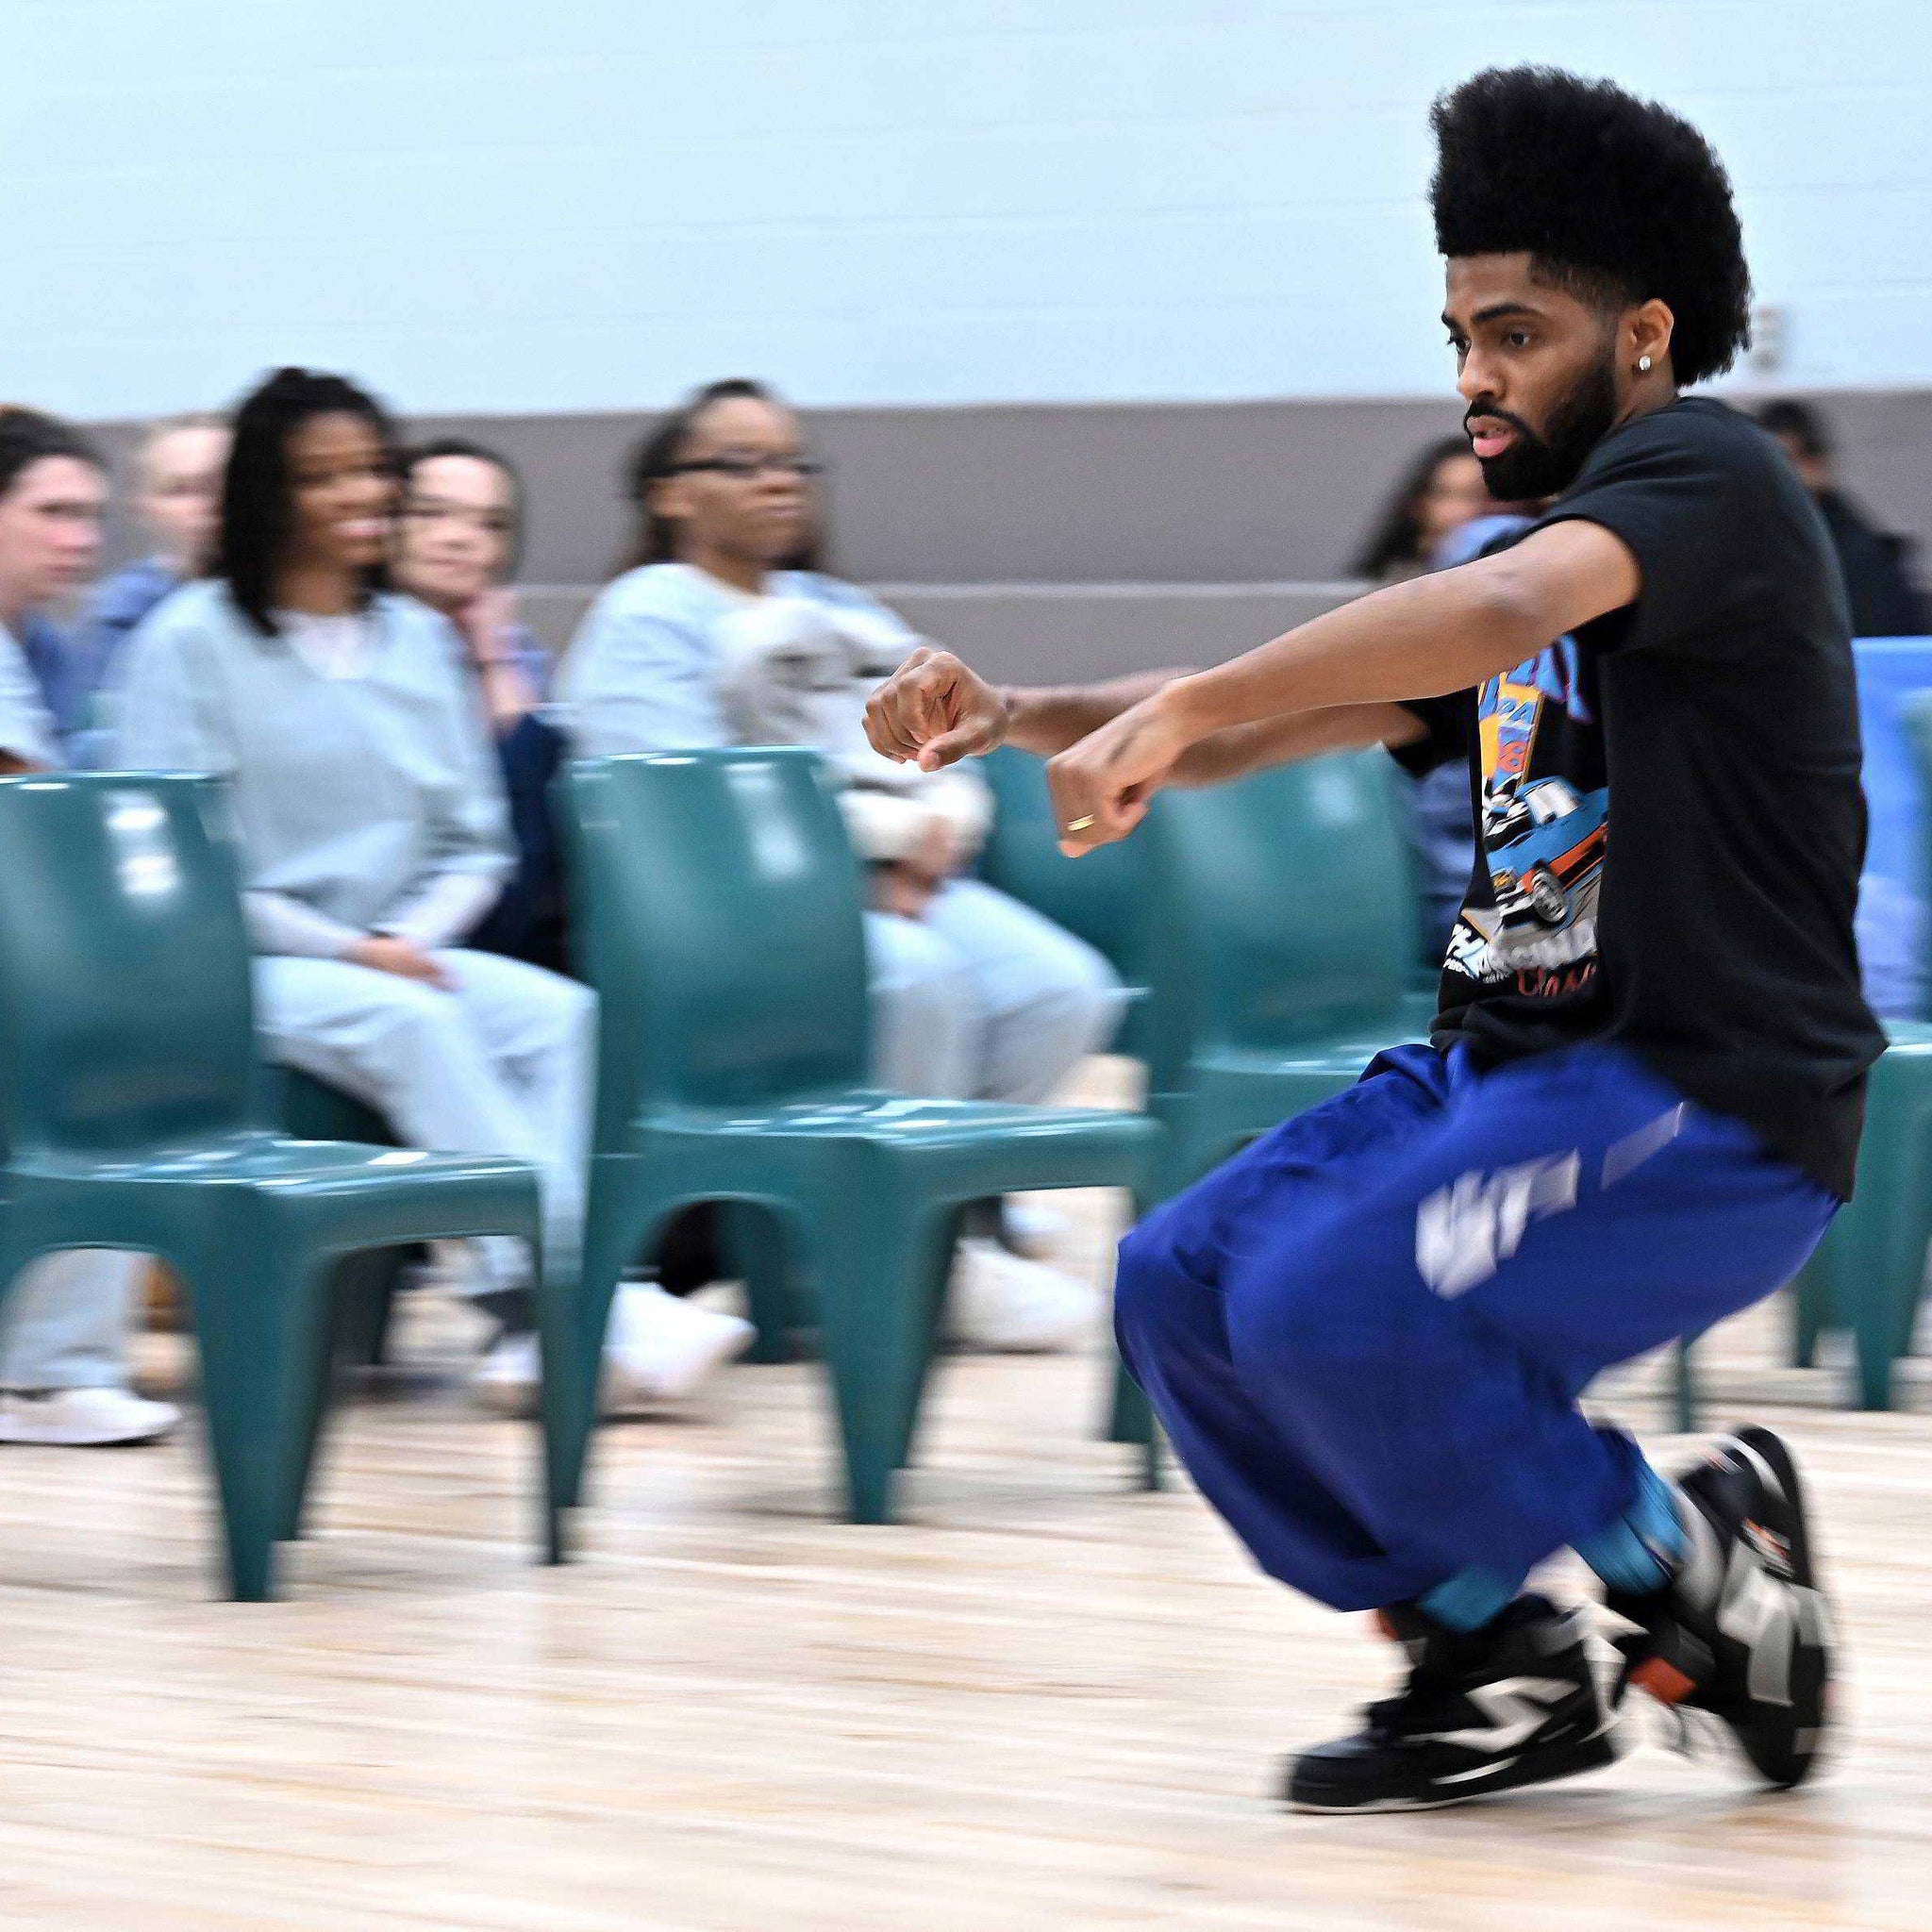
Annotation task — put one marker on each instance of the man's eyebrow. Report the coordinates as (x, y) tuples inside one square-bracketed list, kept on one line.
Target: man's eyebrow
[(1495, 311)]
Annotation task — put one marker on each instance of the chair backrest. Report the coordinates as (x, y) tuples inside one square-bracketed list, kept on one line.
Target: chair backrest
[(717, 912), (126, 1016), (1102, 898), (1283, 904)]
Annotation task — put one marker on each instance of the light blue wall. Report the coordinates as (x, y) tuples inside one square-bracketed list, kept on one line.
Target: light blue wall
[(590, 204)]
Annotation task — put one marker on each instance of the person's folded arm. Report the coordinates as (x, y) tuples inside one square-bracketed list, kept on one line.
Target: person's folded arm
[(281, 923), (447, 909)]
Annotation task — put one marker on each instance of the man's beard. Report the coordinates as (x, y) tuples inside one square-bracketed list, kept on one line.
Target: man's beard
[(1536, 466)]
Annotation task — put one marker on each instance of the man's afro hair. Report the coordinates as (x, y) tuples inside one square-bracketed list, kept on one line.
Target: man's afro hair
[(1616, 197)]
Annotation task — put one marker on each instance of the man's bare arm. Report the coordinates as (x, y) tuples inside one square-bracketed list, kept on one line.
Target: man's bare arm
[(1422, 638), (1244, 748), (1046, 719)]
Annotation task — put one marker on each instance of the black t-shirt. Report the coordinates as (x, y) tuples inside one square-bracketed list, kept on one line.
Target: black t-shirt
[(1669, 815)]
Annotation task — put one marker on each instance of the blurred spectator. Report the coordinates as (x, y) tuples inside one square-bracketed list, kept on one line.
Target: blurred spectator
[(63, 1329), (723, 633), (177, 482), (1885, 600), (373, 831), (1423, 527), (1440, 491), (456, 545)]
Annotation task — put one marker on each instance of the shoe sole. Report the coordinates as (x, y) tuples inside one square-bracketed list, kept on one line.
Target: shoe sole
[(85, 1438), (1778, 1469), (1547, 1768)]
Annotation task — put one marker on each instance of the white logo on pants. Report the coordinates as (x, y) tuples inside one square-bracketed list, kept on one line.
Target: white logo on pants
[(1465, 1231)]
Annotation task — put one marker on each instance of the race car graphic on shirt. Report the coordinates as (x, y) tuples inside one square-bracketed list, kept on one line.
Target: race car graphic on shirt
[(1543, 836)]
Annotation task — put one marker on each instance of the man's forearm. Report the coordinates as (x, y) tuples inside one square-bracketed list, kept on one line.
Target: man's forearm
[(1414, 640), (1244, 748), (1422, 638), (1046, 720)]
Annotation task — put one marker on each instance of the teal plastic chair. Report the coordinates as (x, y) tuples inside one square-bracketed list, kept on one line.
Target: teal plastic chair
[(1102, 898), (132, 1115), (719, 907), (1282, 924), (1281, 927), (1868, 1274)]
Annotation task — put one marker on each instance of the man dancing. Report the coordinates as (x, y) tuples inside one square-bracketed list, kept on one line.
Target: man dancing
[(1640, 1106)]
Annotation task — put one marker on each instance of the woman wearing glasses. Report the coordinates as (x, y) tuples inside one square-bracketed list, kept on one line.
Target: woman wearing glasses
[(722, 632)]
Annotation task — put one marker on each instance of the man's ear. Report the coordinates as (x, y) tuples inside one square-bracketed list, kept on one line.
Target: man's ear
[(1647, 331)]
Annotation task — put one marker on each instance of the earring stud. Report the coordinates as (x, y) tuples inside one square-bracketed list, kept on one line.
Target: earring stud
[(1643, 365)]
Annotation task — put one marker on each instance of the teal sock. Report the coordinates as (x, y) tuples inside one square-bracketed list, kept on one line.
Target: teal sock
[(1470, 1599), (1640, 1552)]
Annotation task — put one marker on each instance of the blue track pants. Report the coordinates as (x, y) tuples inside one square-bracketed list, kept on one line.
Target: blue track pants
[(1366, 1333)]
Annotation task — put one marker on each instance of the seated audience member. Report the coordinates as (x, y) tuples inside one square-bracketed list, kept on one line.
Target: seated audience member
[(373, 831), (1443, 494), (723, 634), (457, 542), (1885, 600), (1439, 491), (178, 484), (63, 1328)]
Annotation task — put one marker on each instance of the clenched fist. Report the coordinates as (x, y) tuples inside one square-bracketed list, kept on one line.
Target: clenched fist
[(934, 711)]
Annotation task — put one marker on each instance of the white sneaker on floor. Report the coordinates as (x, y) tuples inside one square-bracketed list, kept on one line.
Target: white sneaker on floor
[(1035, 1230), (661, 1347), (510, 1374), (1015, 1307), (83, 1418)]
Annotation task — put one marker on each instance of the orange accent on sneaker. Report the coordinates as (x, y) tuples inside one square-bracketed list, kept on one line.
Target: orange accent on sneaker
[(1661, 1680), (1384, 1627)]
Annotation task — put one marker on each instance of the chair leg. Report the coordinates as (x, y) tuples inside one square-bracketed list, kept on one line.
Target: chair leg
[(878, 1326), (564, 1421), (754, 1248), (314, 1415), (1688, 1400), (572, 1328), (1881, 1260), (1128, 1419), (262, 1323), (366, 1291), (932, 1272)]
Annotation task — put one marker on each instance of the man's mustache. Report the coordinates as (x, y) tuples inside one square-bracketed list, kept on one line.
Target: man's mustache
[(1480, 407)]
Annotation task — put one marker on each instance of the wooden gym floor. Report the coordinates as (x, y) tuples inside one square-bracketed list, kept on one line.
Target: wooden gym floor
[(1045, 1700)]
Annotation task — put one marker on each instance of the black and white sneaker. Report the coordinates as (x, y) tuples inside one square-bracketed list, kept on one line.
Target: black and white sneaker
[(1740, 1640), (1514, 1703)]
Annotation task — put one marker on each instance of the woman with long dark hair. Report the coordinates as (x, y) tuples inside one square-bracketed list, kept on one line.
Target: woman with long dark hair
[(724, 632), (373, 836), (1439, 491), (63, 1329)]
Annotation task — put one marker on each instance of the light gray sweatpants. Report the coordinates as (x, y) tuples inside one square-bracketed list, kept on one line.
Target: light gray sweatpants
[(501, 1064), (64, 1325), (984, 998)]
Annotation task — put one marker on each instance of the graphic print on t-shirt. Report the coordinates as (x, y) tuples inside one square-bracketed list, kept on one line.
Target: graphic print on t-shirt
[(1542, 824)]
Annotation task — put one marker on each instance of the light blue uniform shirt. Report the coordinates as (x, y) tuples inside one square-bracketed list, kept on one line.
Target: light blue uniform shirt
[(644, 671), (26, 729), (358, 802)]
